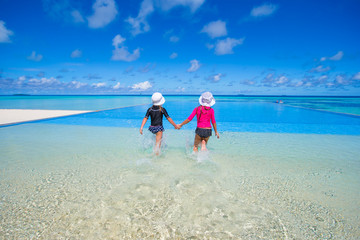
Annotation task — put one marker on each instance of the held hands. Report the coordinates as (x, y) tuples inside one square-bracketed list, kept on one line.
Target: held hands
[(177, 126)]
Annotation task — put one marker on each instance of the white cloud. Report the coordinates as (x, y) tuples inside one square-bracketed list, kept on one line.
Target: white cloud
[(356, 76), (166, 5), (99, 85), (44, 81), (174, 39), (263, 10), (195, 65), (273, 80), (55, 85), (105, 12), (340, 80), (308, 84), (140, 24), (5, 33), (216, 77), (76, 53), (180, 89), (34, 57), (282, 80), (117, 40), (64, 10), (171, 36), (323, 78), (337, 57), (320, 69), (215, 29), (117, 86), (147, 68), (22, 78), (122, 53), (299, 84), (77, 85), (330, 84), (173, 55), (142, 86), (226, 46), (248, 82), (77, 17)]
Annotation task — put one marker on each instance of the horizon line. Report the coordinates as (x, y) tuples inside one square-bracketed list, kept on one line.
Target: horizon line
[(226, 95)]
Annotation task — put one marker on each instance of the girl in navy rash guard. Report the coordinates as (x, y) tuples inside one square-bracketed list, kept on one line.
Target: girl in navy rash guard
[(156, 113)]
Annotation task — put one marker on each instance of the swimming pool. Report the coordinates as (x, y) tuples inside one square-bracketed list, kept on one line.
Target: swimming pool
[(347, 105), (277, 172), (231, 116)]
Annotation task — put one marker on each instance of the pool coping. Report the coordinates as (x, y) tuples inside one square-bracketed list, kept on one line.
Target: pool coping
[(76, 112)]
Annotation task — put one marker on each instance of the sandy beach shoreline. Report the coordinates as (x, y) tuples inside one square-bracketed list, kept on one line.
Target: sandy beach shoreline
[(12, 116)]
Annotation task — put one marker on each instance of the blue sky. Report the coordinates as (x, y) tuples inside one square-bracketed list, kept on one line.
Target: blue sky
[(251, 47)]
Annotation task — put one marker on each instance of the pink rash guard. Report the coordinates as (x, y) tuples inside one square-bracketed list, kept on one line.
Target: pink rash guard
[(206, 115)]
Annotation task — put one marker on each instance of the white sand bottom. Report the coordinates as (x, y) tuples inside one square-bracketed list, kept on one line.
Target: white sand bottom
[(11, 116), (64, 181)]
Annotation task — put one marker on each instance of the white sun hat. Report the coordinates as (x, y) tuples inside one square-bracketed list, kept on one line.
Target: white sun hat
[(206, 99), (157, 99)]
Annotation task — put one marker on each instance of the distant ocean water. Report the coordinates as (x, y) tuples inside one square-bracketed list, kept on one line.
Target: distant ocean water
[(278, 171)]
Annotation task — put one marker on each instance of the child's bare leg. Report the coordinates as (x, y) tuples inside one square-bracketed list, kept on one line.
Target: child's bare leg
[(203, 144), (158, 142), (197, 141)]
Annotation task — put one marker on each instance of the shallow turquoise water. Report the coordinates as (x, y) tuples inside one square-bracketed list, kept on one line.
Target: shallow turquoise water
[(277, 172)]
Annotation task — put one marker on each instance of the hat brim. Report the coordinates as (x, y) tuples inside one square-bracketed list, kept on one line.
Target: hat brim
[(161, 102), (206, 104)]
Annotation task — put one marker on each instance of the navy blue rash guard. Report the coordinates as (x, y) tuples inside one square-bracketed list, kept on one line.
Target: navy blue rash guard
[(156, 115)]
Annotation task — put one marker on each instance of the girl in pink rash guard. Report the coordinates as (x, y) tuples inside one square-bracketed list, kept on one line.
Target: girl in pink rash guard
[(204, 114)]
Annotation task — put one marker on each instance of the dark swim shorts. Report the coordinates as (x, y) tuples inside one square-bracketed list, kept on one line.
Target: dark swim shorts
[(155, 129), (203, 132)]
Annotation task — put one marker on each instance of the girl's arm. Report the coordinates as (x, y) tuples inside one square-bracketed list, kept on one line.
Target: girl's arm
[(186, 121), (215, 129), (173, 123), (214, 124), (142, 125)]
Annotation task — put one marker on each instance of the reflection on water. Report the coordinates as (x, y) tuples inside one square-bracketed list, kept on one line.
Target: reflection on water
[(105, 183)]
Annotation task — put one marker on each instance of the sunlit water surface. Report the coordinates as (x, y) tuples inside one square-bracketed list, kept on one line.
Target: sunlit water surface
[(95, 177)]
